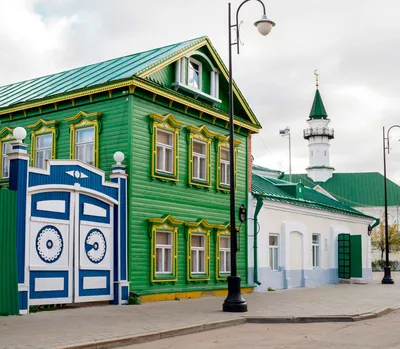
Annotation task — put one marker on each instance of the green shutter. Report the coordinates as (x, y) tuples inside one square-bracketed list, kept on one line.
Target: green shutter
[(356, 256)]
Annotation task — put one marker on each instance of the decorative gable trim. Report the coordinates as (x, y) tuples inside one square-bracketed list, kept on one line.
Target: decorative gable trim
[(193, 47)]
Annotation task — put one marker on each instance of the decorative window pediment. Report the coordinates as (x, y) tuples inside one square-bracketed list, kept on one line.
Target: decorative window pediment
[(163, 234), (164, 146), (198, 250), (223, 163), (43, 141), (199, 140), (223, 251), (84, 130)]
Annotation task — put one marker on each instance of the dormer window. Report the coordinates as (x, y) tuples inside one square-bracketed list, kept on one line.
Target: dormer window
[(196, 74)]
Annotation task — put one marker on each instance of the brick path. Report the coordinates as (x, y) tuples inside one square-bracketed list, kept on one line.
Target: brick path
[(74, 326)]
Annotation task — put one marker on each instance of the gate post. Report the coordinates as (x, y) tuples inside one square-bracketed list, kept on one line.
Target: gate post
[(121, 284), (18, 182)]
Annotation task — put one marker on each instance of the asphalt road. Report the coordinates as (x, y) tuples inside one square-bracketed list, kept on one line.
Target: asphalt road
[(381, 333)]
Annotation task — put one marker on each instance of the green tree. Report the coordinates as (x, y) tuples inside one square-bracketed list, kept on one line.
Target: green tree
[(379, 240)]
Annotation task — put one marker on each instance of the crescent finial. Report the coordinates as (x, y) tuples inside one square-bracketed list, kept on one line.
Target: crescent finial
[(316, 77)]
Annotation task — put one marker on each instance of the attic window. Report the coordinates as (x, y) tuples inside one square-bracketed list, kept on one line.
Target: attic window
[(194, 73), (191, 77)]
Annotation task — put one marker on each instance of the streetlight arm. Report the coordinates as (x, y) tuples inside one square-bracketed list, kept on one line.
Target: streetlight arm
[(387, 137), (236, 25)]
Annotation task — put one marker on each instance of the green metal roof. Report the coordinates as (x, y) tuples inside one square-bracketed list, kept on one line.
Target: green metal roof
[(87, 76), (271, 189), (318, 110), (356, 189), (261, 168)]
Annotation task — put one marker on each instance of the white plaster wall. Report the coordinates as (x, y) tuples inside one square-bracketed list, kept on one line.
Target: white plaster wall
[(379, 212), (282, 219), (318, 151)]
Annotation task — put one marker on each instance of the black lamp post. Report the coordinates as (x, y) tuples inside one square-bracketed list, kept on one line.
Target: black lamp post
[(235, 302), (387, 278)]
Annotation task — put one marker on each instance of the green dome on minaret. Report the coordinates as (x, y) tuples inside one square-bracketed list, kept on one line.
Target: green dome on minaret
[(318, 110)]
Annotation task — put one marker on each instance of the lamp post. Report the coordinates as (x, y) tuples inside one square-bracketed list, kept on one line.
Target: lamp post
[(387, 278), (235, 302), (284, 133)]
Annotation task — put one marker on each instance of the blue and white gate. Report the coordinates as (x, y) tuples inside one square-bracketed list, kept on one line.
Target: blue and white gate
[(71, 231)]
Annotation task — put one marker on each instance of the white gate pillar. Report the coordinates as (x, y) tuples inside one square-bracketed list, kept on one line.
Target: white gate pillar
[(121, 284)]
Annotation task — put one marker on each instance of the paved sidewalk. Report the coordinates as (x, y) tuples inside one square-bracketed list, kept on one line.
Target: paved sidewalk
[(67, 327)]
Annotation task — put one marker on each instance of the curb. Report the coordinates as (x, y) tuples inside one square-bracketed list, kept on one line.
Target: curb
[(153, 336)]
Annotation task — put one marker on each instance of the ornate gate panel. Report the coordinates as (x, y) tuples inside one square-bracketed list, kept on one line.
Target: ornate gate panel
[(94, 244), (50, 247)]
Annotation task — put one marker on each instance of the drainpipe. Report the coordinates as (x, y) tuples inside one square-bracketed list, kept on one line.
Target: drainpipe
[(377, 221), (257, 211)]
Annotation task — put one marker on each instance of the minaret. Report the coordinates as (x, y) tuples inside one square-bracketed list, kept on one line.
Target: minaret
[(318, 135)]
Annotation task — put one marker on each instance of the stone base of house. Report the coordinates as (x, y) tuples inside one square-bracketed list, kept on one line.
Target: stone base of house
[(149, 298)]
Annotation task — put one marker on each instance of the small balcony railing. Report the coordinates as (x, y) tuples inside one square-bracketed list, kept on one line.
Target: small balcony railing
[(319, 131)]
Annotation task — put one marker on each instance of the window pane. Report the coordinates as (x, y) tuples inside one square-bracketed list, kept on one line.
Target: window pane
[(169, 161), (80, 152), (317, 256), (222, 261), (199, 147), (194, 261), (163, 238), (271, 259), (160, 158), (164, 137), (89, 154), (85, 135), (197, 241), (159, 264), (223, 173), (40, 159), (275, 259), (273, 240), (225, 154), (228, 261), (315, 239), (44, 141), (202, 173), (202, 261), (168, 261), (195, 166), (225, 242)]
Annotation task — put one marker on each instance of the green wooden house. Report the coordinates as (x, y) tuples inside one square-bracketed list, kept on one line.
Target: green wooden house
[(166, 109)]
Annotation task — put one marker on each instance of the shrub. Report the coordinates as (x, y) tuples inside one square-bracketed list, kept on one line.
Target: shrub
[(380, 264)]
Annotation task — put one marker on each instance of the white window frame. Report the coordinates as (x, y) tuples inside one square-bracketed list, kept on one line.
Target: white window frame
[(43, 150), (224, 250), (195, 61), (225, 163), (197, 159), (316, 251), (164, 146), (5, 159), (274, 249), (163, 248), (85, 144), (195, 250)]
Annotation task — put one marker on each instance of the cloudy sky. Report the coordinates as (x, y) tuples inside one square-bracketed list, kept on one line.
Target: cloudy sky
[(353, 44)]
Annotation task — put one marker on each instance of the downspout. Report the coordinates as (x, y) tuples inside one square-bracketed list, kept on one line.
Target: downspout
[(256, 212)]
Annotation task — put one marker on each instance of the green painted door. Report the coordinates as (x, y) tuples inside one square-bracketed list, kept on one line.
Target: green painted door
[(8, 253), (356, 256), (344, 256)]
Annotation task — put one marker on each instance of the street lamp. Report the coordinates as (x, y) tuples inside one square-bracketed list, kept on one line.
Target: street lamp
[(284, 133), (235, 302), (387, 278)]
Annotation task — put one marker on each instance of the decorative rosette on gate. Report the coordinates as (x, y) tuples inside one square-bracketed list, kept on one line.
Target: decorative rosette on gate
[(49, 244), (95, 246)]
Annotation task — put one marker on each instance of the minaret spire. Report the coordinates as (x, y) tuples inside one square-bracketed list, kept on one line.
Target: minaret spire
[(318, 135)]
